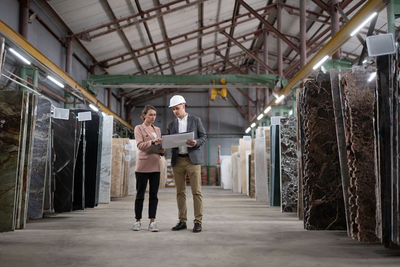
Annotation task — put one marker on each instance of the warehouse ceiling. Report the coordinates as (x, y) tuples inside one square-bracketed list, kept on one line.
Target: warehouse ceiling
[(202, 36)]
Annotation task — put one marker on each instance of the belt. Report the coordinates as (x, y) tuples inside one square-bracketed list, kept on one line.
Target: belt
[(183, 155)]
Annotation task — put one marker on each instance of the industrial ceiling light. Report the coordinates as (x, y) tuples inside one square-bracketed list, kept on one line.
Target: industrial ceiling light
[(253, 125), (55, 81), (290, 112), (248, 130), (268, 109), (260, 116), (316, 66), (372, 76), (364, 61), (363, 24), (18, 55), (279, 99), (93, 107), (103, 113)]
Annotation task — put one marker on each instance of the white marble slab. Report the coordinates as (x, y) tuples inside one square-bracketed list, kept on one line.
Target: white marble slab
[(106, 155), (226, 172), (261, 170)]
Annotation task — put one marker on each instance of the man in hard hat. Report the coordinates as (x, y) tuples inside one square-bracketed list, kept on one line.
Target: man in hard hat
[(187, 160)]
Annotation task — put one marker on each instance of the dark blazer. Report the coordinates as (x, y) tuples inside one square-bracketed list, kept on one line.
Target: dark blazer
[(193, 125)]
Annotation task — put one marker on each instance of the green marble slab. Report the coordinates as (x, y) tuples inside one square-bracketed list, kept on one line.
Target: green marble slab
[(12, 108)]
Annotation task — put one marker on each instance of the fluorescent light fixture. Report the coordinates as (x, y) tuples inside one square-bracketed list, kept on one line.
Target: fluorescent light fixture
[(55, 81), (268, 109), (253, 125), (363, 24), (104, 114), (260, 116), (18, 55), (372, 76), (248, 130), (290, 112), (316, 66), (364, 61), (279, 99), (93, 107)]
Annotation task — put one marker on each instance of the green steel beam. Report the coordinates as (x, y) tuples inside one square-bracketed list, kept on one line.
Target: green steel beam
[(338, 64), (262, 79)]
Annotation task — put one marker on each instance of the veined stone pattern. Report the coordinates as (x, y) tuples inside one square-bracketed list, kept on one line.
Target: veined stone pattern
[(359, 103), (11, 110), (39, 159), (289, 181), (322, 189), (106, 155)]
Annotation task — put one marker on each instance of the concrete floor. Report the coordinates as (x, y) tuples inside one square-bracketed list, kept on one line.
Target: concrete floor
[(237, 232)]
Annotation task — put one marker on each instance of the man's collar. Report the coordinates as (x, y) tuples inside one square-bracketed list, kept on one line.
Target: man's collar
[(187, 115)]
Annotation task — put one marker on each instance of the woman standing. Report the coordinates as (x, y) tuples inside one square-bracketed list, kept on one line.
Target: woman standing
[(148, 140)]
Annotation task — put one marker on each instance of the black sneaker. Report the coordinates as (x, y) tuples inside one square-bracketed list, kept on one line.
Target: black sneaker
[(179, 226), (197, 228)]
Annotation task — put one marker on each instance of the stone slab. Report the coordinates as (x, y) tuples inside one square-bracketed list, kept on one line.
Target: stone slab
[(105, 171), (289, 180), (11, 108), (39, 159)]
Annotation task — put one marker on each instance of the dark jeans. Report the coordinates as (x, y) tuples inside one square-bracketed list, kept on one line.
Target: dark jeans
[(141, 184)]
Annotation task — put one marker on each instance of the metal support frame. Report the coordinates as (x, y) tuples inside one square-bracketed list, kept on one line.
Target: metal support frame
[(303, 33), (17, 39), (336, 42), (24, 17), (279, 40)]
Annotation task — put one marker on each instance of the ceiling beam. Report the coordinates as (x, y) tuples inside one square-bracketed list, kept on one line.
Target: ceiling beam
[(322, 5), (181, 38), (247, 51), (235, 13), (164, 34), (148, 32), (121, 33), (270, 27), (106, 28)]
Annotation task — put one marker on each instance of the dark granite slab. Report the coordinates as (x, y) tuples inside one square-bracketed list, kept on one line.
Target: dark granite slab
[(79, 170), (49, 186), (64, 149), (322, 190), (92, 165), (289, 180), (39, 159), (12, 105), (275, 193)]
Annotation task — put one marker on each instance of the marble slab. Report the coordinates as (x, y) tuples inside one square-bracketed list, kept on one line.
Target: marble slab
[(119, 185), (359, 104), (244, 145), (106, 155), (260, 169), (12, 106), (79, 168), (275, 191), (48, 203), (39, 159), (226, 172), (289, 180), (92, 166), (131, 164), (64, 149), (236, 182), (322, 187)]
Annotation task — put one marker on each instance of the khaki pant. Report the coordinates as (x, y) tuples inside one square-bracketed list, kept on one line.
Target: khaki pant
[(184, 166)]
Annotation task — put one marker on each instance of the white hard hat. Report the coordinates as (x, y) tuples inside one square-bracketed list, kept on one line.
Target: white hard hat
[(176, 100)]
